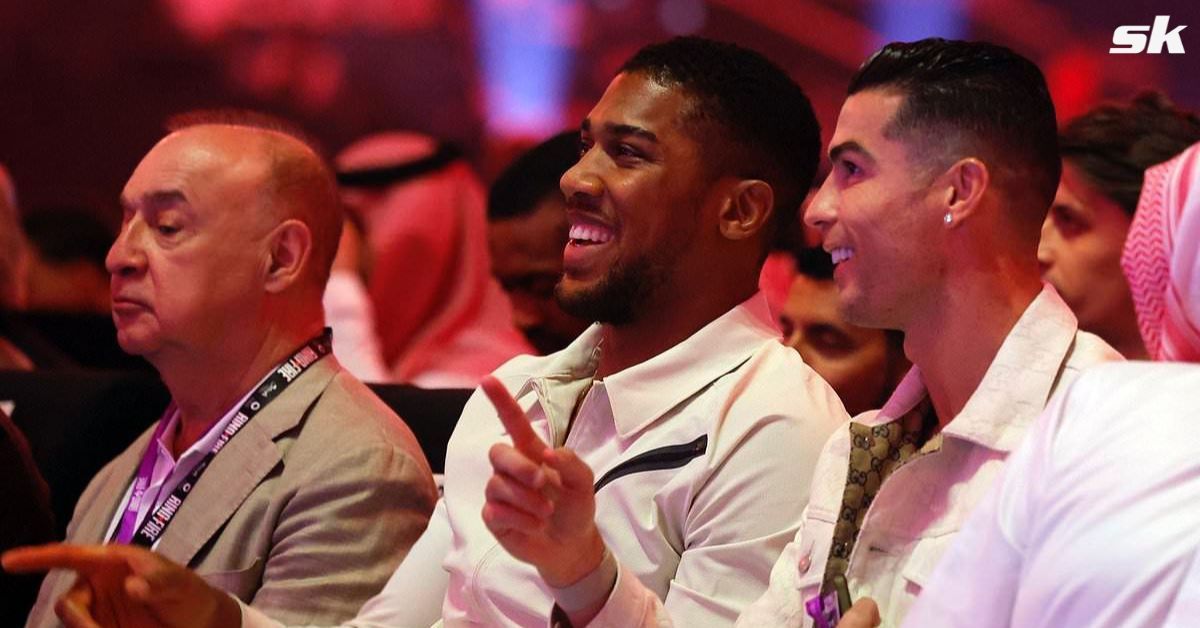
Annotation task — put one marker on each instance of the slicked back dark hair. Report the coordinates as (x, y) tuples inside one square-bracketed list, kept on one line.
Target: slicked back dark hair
[(964, 99), (1113, 144), (743, 100), (532, 176)]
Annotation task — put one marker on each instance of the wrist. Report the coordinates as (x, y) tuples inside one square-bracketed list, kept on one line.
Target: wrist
[(586, 561), (579, 603)]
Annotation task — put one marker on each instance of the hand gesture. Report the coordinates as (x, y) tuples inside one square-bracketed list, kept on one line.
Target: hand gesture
[(539, 501), (124, 586)]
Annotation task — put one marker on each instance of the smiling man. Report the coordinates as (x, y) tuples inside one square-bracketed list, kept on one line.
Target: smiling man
[(665, 410), (274, 474), (944, 163)]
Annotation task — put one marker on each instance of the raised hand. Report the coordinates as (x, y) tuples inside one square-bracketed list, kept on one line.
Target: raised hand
[(123, 586), (539, 501)]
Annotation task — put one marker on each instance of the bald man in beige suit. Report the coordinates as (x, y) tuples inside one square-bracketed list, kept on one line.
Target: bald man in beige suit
[(274, 474)]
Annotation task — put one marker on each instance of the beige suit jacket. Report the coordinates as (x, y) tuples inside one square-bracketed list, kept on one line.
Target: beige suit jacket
[(304, 514)]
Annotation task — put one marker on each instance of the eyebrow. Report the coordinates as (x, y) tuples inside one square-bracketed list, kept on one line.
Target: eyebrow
[(621, 130), (850, 146), (157, 200)]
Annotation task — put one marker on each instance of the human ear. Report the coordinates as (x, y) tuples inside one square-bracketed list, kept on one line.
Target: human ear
[(964, 185), (748, 208), (290, 249)]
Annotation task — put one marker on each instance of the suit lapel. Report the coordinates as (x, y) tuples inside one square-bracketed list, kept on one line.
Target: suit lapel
[(241, 466), (95, 521)]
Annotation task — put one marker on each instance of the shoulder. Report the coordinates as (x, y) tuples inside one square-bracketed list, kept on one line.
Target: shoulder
[(348, 419), (1088, 350), (775, 383), (1130, 392)]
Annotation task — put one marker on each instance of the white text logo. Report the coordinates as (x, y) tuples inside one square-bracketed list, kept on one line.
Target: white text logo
[(1129, 40)]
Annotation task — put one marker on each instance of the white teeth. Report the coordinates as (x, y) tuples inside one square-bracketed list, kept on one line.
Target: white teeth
[(841, 254), (589, 233)]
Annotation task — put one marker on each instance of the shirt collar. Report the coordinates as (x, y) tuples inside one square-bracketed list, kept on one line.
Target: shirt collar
[(1016, 386), (642, 393)]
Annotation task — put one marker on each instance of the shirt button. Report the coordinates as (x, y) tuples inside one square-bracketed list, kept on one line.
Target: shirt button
[(805, 563)]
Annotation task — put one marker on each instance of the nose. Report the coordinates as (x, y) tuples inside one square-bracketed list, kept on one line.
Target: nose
[(125, 256), (580, 184), (1046, 246), (822, 211)]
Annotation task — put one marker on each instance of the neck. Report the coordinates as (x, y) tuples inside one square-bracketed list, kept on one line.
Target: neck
[(664, 324), (205, 384), (1123, 334), (957, 338)]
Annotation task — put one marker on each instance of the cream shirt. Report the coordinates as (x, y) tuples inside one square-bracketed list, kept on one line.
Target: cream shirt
[(921, 506)]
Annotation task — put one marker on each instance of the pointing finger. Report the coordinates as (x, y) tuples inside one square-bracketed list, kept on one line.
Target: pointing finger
[(515, 421)]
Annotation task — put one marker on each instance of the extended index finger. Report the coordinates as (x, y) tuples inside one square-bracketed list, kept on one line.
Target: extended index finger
[(81, 558), (516, 423)]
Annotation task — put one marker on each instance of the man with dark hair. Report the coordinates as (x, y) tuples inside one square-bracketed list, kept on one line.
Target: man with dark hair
[(527, 230), (67, 246), (863, 365), (274, 474), (944, 162), (1104, 152), (637, 466)]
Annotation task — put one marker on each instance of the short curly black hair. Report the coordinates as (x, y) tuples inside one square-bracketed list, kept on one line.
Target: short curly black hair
[(741, 98), (968, 98), (1114, 143)]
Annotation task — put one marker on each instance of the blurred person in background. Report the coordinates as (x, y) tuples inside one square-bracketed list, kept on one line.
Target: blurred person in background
[(862, 364), (67, 246), (14, 270), (442, 320), (29, 519), (1105, 152), (527, 231)]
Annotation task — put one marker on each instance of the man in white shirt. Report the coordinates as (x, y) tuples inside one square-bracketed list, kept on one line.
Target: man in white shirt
[(944, 164), (1094, 521), (690, 429)]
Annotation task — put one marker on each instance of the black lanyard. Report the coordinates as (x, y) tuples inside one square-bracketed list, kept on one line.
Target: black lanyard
[(156, 522)]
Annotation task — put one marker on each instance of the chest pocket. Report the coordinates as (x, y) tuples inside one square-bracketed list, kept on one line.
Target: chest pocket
[(668, 457), (923, 560)]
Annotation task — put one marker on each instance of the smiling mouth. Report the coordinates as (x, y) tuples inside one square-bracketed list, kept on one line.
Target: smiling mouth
[(587, 234), (841, 254)]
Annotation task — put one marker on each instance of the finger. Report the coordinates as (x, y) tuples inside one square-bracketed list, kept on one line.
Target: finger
[(500, 490), (73, 608), (500, 519), (575, 474), (863, 614), (516, 423), (81, 558), (508, 460)]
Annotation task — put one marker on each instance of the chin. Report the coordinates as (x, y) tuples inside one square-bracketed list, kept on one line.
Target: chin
[(135, 343)]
